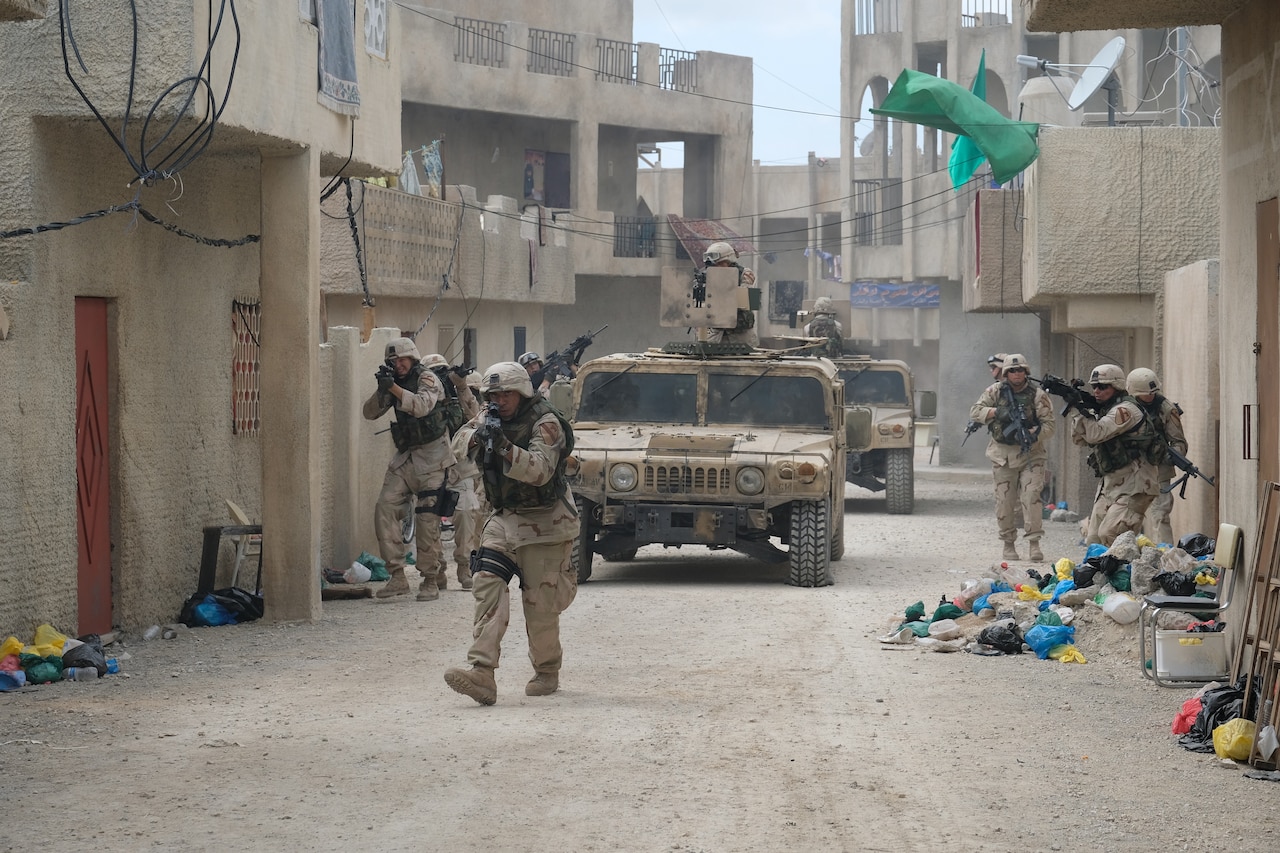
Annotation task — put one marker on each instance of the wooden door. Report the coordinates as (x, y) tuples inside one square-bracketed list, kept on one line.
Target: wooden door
[(93, 491)]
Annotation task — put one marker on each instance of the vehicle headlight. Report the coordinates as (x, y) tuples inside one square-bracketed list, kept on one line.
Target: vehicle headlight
[(622, 477), (750, 481)]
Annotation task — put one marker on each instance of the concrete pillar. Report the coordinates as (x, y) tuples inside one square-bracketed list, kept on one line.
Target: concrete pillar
[(290, 259), (584, 155), (814, 274)]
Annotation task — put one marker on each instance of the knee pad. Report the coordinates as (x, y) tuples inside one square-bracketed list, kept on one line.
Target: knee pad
[(497, 563)]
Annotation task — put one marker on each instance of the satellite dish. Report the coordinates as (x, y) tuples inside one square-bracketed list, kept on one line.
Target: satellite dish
[(1096, 73)]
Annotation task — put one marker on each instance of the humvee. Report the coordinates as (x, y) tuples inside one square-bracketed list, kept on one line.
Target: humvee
[(735, 451), (885, 461)]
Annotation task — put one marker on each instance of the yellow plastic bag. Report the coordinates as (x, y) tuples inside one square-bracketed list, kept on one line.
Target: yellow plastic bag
[(1143, 542), (1064, 568), (1028, 592), (1234, 739), (47, 641), (1067, 653), (12, 646)]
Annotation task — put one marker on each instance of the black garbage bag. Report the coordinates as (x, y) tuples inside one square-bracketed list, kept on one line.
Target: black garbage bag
[(243, 605), (90, 653), (1218, 706), (1197, 544), (1001, 637), (1176, 583)]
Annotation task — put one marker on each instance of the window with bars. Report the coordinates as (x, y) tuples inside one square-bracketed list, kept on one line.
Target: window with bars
[(375, 27), (246, 356)]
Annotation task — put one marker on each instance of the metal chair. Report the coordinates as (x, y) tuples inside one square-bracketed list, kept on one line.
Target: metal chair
[(1228, 555), (247, 545)]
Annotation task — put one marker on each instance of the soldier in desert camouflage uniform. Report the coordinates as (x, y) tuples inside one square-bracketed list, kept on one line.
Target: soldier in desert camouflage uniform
[(1124, 455), (529, 536), (1019, 476), (723, 254), (464, 478), (1166, 416)]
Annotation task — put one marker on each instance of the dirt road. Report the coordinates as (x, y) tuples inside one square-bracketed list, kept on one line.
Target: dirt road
[(705, 706)]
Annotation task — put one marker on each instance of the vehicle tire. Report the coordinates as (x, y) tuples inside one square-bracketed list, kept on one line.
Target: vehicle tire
[(837, 535), (621, 556), (899, 481), (580, 557), (810, 555)]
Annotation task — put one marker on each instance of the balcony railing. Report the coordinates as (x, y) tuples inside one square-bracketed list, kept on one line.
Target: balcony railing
[(873, 17), (635, 237), (551, 52), (481, 42), (616, 61), (985, 13), (877, 212), (677, 70)]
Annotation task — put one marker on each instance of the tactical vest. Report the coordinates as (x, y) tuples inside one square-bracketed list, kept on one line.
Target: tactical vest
[(1026, 399), (824, 326), (409, 432), (1115, 453), (507, 493), (1158, 453), (454, 417)]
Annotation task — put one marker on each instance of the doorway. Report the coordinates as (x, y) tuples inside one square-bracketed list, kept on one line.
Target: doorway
[(93, 487)]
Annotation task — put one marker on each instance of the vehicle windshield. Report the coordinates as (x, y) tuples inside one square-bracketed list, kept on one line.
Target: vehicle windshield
[(737, 398), (874, 387), (626, 396)]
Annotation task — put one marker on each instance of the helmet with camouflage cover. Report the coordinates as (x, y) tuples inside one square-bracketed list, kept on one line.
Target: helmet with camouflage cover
[(506, 376), (719, 251), (402, 348), (529, 358), (1013, 361), (434, 361), (473, 381), (822, 305), (1107, 374), (1142, 380), (997, 359)]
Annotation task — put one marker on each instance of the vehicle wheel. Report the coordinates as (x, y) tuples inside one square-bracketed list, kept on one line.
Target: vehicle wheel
[(581, 555), (409, 524), (810, 554), (899, 480), (621, 556), (837, 535)]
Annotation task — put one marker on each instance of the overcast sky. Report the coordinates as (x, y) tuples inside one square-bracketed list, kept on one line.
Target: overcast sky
[(795, 45)]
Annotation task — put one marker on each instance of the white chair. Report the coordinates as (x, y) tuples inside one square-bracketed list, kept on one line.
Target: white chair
[(247, 545)]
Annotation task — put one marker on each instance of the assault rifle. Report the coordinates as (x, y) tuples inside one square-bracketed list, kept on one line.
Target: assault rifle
[(970, 429), (1188, 469), (557, 364), (1073, 393), (1017, 426)]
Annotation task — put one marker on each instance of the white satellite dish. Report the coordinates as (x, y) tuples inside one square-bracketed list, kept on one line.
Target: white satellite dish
[(1096, 73)]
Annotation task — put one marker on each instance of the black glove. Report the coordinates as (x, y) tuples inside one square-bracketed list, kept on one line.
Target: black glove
[(385, 380), (486, 433)]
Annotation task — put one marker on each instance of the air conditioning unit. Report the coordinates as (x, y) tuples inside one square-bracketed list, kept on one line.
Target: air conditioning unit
[(1142, 118)]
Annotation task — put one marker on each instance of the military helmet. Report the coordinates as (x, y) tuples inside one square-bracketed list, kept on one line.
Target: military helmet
[(1107, 374), (433, 361), (1142, 380), (993, 360), (402, 348), (822, 305), (473, 380), (1013, 360), (720, 251), (529, 358), (506, 376)]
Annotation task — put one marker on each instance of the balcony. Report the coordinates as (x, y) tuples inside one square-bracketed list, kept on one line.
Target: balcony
[(1066, 16)]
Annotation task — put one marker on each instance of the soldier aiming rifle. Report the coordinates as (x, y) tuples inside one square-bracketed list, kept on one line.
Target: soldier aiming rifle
[(565, 362)]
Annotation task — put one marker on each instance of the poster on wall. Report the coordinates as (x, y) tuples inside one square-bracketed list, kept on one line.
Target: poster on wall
[(535, 166)]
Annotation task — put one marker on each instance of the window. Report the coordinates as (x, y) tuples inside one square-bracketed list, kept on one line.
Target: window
[(469, 347), (246, 353), (375, 27), (520, 342)]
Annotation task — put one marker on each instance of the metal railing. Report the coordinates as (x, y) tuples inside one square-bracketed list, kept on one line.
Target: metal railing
[(985, 13), (677, 70), (877, 212), (635, 236), (616, 61), (872, 17), (481, 42), (551, 52)]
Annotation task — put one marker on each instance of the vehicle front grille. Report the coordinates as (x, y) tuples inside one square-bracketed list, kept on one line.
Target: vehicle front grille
[(687, 479)]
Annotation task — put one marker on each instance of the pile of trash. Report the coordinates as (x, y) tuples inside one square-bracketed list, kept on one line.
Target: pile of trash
[(1012, 609), (52, 656)]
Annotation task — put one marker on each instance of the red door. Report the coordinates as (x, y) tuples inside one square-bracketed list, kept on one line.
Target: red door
[(93, 493)]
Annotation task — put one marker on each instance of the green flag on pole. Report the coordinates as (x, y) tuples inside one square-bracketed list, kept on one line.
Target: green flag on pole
[(1009, 146), (966, 157)]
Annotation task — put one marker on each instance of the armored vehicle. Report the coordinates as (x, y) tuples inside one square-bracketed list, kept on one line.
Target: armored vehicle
[(885, 461), (737, 451)]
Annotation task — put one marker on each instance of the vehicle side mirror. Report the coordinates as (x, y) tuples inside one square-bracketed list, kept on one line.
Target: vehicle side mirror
[(857, 427), (928, 405)]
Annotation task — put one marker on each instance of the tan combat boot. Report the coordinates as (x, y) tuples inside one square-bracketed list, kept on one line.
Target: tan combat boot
[(398, 585), (1036, 555), (428, 589), (1010, 552), (442, 579), (464, 577), (476, 682), (542, 684)]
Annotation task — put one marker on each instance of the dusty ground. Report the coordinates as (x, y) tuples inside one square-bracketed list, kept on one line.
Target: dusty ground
[(705, 707)]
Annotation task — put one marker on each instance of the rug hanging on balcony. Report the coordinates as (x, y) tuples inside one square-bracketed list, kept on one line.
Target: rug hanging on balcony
[(696, 234), (336, 22)]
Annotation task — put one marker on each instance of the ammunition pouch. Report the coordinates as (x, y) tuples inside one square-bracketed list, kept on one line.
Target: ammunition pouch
[(442, 501)]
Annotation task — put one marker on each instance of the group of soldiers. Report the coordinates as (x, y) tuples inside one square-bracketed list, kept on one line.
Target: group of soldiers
[(498, 470), (1128, 428)]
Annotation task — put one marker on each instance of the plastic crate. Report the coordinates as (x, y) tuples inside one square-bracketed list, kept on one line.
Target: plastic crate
[(1184, 654)]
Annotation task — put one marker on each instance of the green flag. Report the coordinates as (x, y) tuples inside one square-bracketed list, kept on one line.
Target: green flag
[(966, 157), (1009, 146)]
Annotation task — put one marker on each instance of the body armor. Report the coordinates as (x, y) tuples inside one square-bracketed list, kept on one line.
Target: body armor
[(1138, 443), (507, 493), (1026, 402), (1158, 453), (409, 432), (824, 326)]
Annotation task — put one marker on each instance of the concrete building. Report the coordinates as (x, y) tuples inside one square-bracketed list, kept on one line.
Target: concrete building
[(152, 371)]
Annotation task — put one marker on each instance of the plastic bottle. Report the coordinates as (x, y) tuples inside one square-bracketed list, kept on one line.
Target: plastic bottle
[(79, 673), (151, 633)]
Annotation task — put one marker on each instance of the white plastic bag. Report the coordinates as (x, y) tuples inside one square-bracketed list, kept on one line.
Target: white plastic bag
[(945, 629), (358, 573)]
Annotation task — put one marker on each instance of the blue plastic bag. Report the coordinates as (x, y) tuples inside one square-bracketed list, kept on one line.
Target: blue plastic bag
[(1063, 586), (210, 613), (1097, 549), (1042, 638), (981, 603)]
